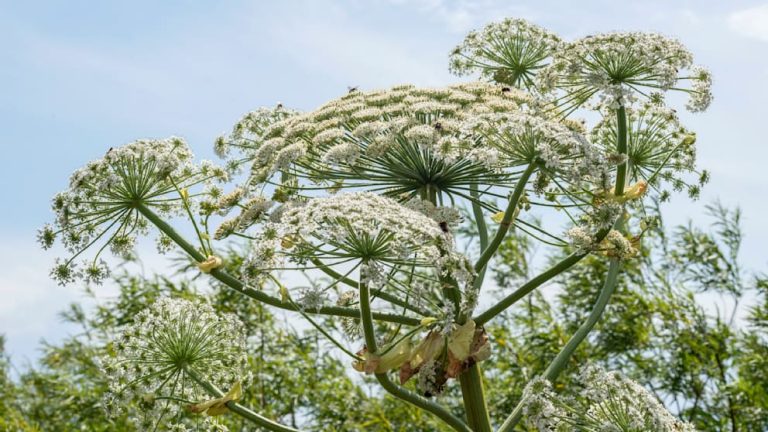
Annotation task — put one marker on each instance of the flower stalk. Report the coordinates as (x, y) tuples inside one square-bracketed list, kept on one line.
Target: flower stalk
[(239, 409), (235, 284)]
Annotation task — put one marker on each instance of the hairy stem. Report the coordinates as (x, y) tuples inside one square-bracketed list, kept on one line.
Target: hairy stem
[(526, 288), (235, 284), (482, 231), (561, 360)]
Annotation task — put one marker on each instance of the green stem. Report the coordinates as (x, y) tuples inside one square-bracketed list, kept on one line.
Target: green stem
[(621, 148), (474, 399), (561, 360), (370, 343), (482, 231), (366, 317), (506, 222), (527, 288), (422, 402), (238, 409), (380, 293), (235, 284)]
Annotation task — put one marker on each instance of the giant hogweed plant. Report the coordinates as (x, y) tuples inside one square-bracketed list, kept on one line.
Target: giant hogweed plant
[(358, 212)]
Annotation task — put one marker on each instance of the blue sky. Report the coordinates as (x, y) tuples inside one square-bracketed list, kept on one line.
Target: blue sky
[(80, 76)]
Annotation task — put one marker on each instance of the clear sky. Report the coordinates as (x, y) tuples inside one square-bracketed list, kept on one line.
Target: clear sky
[(78, 77)]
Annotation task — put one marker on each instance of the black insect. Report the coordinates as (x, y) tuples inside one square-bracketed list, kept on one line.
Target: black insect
[(438, 126), (505, 89), (444, 226), (352, 89), (279, 105)]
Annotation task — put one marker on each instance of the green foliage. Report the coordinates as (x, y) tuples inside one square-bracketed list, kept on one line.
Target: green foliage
[(705, 369), (703, 366)]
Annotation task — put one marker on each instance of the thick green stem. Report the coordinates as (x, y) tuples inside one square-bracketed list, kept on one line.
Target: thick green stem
[(474, 399), (370, 343), (561, 360), (238, 409), (506, 222), (422, 402), (261, 296), (527, 288), (621, 148)]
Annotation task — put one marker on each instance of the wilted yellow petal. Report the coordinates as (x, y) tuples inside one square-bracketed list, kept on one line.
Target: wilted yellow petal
[(428, 349), (635, 191), (689, 139), (499, 217), (460, 340), (395, 357), (218, 406), (284, 294), (428, 320), (209, 264)]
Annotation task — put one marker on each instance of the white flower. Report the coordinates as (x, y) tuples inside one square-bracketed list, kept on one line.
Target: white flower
[(510, 52), (618, 65), (608, 401), (522, 139), (372, 138), (101, 202), (166, 351)]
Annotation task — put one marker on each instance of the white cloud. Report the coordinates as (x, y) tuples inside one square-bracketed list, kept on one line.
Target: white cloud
[(751, 23)]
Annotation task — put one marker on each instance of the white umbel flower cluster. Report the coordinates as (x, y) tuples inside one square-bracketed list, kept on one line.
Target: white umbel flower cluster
[(363, 127), (163, 354), (249, 128), (522, 139), (617, 66), (608, 401), (659, 149), (510, 52), (100, 204), (371, 229)]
